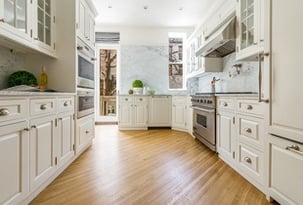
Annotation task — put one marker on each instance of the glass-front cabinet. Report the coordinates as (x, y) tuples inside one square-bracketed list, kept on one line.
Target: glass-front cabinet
[(14, 18), (250, 15)]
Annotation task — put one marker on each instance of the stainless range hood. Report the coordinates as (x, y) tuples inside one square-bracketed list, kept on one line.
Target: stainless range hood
[(221, 42)]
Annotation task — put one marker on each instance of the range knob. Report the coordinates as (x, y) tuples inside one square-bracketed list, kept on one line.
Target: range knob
[(209, 102)]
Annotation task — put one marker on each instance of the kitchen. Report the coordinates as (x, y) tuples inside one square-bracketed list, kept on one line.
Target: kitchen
[(257, 121)]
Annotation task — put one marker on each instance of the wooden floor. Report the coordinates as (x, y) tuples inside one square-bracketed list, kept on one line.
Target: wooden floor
[(148, 167)]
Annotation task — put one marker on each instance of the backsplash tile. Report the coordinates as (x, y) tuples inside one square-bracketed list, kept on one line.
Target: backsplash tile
[(9, 63), (230, 81)]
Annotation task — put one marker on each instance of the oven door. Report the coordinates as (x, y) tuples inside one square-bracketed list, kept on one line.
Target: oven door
[(86, 72), (85, 102), (204, 123)]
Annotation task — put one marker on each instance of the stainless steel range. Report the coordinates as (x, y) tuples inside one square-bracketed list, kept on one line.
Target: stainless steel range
[(204, 118)]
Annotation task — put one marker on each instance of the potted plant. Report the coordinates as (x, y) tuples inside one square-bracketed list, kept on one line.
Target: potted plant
[(137, 86)]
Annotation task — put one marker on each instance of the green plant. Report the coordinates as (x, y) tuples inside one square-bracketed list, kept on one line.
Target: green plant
[(137, 84)]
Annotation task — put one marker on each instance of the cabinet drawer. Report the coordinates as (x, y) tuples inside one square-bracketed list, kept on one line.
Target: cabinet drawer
[(86, 131), (226, 103), (65, 104), (251, 162), (42, 106), (125, 99), (141, 99), (251, 107), (251, 130), (179, 99), (13, 109)]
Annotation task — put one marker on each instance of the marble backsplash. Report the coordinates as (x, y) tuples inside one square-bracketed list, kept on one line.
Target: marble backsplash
[(146, 63), (230, 81), (9, 63)]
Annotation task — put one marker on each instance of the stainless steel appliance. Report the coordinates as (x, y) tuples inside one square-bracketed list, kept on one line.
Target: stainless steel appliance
[(86, 66), (204, 118), (85, 103)]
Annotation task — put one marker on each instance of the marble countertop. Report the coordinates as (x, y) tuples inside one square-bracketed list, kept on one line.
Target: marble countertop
[(236, 94), (4, 93)]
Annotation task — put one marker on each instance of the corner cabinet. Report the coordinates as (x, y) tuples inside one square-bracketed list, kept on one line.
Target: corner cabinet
[(179, 113), (250, 29)]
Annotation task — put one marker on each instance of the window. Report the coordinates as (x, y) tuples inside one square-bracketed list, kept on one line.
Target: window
[(175, 64)]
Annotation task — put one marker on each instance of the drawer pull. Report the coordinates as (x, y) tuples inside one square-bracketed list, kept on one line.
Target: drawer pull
[(86, 132), (140, 99), (4, 112), (43, 107), (248, 160), (249, 107), (27, 129), (2, 20), (295, 149), (126, 99), (248, 130), (33, 127), (65, 104), (225, 104)]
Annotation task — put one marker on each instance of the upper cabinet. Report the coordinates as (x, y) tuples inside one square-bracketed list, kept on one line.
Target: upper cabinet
[(250, 29), (86, 22), (44, 24), (28, 25), (14, 19)]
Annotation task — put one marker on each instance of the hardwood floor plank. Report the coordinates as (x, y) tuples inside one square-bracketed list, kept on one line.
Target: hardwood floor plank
[(148, 167)]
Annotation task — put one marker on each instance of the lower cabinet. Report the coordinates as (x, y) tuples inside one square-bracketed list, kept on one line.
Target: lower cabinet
[(179, 112), (42, 150), (133, 112), (85, 133), (285, 170), (226, 136), (14, 147)]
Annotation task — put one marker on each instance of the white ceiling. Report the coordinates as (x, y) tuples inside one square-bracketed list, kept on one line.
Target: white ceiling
[(162, 13)]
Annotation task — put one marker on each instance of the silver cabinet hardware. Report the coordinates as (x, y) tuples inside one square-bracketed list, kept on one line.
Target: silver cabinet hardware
[(248, 130), (225, 104), (86, 132), (65, 104), (43, 107), (33, 127), (295, 149), (4, 112), (260, 58), (248, 160), (27, 129), (2, 20)]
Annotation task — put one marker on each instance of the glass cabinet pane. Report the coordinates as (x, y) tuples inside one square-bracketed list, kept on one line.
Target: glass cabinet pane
[(21, 15), (9, 12), (15, 13), (44, 21), (247, 23)]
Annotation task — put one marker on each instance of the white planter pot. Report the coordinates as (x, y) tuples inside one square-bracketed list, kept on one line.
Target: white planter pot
[(138, 91)]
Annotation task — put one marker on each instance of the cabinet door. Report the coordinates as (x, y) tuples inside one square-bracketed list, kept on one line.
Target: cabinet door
[(226, 136), (140, 112), (91, 30), (81, 19), (42, 157), (14, 163), (14, 19), (160, 111), (65, 151), (179, 112), (125, 112), (85, 133), (286, 170)]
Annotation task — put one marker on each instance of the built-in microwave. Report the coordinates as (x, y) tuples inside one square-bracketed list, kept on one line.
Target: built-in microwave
[(85, 103), (86, 66)]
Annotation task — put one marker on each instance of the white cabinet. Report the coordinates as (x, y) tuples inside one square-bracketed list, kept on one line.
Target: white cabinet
[(160, 111), (133, 112), (250, 38), (14, 162), (44, 24), (86, 22), (15, 19), (85, 133), (179, 112), (226, 135), (286, 170)]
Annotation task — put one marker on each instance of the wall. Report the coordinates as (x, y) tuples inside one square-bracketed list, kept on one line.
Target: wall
[(144, 56), (9, 63), (230, 81)]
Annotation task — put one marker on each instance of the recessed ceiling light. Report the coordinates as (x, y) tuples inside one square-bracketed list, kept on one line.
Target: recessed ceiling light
[(109, 7), (145, 7), (180, 9)]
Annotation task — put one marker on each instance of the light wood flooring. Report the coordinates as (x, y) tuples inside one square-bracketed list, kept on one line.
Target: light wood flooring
[(148, 167)]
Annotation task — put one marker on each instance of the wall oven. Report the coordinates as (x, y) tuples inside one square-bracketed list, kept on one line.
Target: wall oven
[(204, 119), (86, 66), (85, 103)]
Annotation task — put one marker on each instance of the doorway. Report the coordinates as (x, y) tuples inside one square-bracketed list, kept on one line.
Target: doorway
[(107, 72)]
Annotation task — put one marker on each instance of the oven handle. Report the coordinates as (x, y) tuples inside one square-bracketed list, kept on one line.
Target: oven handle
[(203, 109)]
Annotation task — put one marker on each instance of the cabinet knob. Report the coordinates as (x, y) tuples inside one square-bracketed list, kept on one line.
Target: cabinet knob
[(2, 20), (249, 107), (126, 99), (86, 132), (27, 129), (65, 104), (33, 126), (43, 107), (225, 104), (4, 112), (248, 160), (140, 99), (248, 130)]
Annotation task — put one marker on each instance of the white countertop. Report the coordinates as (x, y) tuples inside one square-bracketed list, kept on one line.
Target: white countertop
[(4, 93)]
